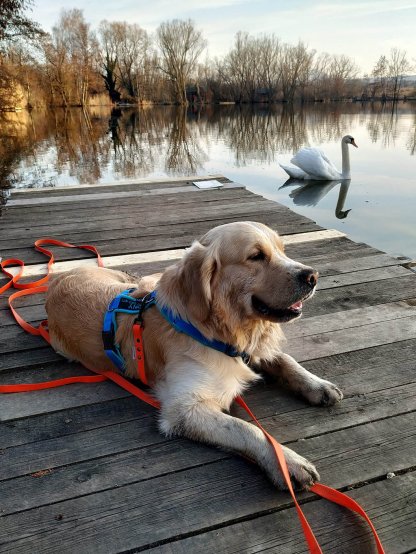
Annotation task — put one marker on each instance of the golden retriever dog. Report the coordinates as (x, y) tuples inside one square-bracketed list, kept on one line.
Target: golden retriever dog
[(234, 285)]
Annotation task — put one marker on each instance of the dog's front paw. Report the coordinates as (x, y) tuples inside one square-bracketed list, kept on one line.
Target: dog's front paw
[(324, 393), (303, 473)]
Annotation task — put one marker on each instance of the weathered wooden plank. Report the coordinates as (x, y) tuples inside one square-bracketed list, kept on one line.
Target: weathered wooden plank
[(334, 267), (136, 260), (134, 227), (123, 184), (109, 219), (362, 276), (367, 399), (166, 238), (10, 218), (147, 222), (138, 205), (152, 217), (200, 497), (88, 202), (102, 196), (72, 448), (21, 405), (364, 294), (314, 253), (357, 338), (358, 373), (352, 318), (58, 423), (373, 382), (92, 461), (390, 503), (18, 359), (319, 252)]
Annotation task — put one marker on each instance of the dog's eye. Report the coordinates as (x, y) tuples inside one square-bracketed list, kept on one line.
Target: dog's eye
[(258, 256)]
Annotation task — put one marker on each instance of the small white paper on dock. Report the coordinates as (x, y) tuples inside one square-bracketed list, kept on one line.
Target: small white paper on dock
[(212, 184)]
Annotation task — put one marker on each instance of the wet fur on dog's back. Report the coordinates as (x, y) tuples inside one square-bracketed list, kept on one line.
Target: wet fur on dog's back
[(235, 285)]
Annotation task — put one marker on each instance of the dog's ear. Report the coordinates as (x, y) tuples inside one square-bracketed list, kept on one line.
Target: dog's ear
[(186, 287), (198, 268)]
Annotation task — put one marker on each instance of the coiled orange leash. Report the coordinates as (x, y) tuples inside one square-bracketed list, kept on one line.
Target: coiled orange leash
[(40, 286)]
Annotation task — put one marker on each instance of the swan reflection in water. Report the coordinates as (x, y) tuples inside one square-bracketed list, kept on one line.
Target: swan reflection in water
[(311, 192)]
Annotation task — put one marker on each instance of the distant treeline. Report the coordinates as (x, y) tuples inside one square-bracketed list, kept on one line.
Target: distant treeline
[(120, 62)]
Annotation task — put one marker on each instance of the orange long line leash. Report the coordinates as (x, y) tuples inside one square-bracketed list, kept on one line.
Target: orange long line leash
[(39, 286)]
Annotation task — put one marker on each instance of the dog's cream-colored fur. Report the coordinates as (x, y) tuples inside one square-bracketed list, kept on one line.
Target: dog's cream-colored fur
[(215, 287)]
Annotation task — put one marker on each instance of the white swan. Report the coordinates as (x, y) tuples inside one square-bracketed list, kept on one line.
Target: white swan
[(311, 163)]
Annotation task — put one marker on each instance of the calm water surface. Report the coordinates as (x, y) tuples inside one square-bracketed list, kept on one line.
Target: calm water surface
[(377, 207)]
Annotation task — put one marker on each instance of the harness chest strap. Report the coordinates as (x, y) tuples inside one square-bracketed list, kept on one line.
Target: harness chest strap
[(37, 287), (126, 304)]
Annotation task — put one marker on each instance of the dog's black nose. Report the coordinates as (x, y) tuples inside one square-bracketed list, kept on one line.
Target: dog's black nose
[(309, 277)]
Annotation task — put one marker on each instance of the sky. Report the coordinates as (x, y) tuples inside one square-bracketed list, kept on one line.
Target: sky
[(362, 30)]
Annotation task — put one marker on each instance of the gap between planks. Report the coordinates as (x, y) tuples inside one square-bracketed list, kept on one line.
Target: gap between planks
[(161, 255)]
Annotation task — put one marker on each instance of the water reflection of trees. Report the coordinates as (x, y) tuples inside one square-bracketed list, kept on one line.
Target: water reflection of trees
[(41, 148), (258, 135), (185, 153), (79, 145), (14, 145), (382, 126), (411, 141)]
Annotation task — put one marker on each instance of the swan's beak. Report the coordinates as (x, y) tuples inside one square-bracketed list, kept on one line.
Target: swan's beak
[(353, 143)]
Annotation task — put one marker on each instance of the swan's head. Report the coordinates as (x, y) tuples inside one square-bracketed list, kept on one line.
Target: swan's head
[(348, 139)]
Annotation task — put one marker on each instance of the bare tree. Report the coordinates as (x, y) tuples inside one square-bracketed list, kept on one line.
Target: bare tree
[(57, 67), (70, 54), (331, 75), (14, 23), (239, 68), (132, 48), (82, 45), (398, 67), (124, 53), (380, 76), (341, 70), (108, 59), (268, 63), (295, 69), (180, 44)]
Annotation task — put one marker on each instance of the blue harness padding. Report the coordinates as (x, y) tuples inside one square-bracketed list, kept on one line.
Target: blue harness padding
[(126, 304)]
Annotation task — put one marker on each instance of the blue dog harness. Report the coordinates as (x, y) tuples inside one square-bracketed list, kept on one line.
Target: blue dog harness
[(126, 304)]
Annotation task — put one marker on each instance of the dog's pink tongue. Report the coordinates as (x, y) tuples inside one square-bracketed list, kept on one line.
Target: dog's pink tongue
[(296, 306)]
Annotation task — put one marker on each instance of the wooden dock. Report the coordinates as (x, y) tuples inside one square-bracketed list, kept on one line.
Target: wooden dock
[(83, 468)]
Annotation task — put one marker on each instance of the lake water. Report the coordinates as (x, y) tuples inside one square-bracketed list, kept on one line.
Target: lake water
[(245, 144)]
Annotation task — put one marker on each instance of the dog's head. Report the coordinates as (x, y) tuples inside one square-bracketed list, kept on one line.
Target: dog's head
[(238, 272)]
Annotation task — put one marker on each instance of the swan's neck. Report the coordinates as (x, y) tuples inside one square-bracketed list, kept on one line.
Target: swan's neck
[(346, 173)]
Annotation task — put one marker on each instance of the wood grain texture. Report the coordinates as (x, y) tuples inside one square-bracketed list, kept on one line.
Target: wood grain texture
[(390, 503)]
